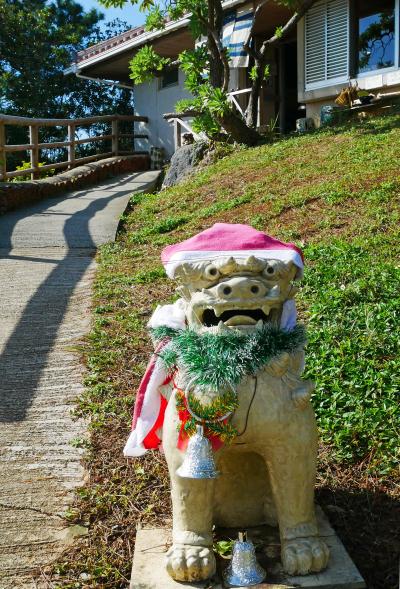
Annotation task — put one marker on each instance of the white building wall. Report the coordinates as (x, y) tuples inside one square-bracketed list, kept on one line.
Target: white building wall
[(153, 102)]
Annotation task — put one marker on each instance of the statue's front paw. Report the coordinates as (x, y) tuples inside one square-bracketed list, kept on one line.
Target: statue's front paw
[(304, 555), (190, 563)]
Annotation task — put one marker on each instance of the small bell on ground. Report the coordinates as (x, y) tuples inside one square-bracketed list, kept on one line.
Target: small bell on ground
[(199, 460), (243, 569)]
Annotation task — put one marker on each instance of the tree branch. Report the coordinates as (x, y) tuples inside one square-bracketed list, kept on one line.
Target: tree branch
[(291, 23)]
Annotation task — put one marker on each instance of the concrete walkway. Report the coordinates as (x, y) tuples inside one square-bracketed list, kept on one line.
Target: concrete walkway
[(46, 273)]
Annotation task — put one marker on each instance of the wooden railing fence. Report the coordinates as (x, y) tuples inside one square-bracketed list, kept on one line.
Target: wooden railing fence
[(34, 146)]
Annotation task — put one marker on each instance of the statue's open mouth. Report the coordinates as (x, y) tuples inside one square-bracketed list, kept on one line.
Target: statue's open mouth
[(234, 317)]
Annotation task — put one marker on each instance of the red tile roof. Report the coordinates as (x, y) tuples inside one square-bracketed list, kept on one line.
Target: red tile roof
[(109, 43)]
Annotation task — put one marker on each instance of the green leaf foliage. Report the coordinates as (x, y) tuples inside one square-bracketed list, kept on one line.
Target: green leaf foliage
[(38, 41), (194, 59), (185, 104), (206, 123), (114, 3), (155, 19), (253, 73), (223, 547), (145, 64)]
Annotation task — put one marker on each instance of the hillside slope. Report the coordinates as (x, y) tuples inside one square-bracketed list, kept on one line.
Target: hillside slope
[(336, 194)]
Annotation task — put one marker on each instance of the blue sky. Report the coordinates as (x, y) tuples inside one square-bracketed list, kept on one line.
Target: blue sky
[(130, 13)]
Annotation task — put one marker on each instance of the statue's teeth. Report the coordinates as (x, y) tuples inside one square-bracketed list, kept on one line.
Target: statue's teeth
[(266, 309), (259, 324)]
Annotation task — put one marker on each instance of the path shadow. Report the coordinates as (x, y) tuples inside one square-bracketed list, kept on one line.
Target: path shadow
[(25, 355)]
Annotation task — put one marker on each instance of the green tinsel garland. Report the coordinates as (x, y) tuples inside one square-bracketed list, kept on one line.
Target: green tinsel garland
[(223, 404), (217, 361)]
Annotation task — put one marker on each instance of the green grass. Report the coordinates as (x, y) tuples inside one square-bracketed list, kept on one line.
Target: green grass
[(350, 286), (336, 193), (352, 300)]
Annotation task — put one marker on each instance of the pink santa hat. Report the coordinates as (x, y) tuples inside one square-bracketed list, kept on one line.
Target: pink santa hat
[(225, 240), (221, 240)]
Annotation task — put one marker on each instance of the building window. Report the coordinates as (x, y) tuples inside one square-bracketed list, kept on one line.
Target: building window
[(347, 38), (376, 34), (327, 43), (169, 78)]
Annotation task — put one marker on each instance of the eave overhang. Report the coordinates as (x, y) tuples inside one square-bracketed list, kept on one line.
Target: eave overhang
[(109, 60)]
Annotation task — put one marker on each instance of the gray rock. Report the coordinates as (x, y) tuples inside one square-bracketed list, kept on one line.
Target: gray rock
[(184, 160)]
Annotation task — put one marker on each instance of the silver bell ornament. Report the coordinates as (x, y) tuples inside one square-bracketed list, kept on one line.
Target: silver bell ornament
[(199, 460), (243, 570)]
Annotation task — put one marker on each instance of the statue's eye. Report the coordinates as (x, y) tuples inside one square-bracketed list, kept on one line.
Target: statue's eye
[(270, 270), (211, 273)]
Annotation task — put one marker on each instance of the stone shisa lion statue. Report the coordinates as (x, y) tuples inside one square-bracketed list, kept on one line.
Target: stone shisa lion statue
[(229, 356)]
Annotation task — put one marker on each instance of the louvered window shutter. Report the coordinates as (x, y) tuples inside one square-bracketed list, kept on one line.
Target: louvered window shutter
[(327, 43)]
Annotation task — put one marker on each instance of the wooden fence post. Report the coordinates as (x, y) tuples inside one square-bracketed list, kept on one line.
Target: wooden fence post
[(71, 147), (34, 140), (3, 163), (115, 138)]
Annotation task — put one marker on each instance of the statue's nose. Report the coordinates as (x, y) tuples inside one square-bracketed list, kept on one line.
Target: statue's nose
[(241, 288)]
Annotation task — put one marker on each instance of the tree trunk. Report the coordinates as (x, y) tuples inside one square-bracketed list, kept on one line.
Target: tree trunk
[(216, 65), (215, 20), (238, 130)]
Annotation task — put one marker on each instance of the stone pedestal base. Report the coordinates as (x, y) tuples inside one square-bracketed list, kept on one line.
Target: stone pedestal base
[(149, 572)]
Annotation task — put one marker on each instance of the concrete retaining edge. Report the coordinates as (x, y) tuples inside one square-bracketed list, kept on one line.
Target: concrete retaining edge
[(17, 194)]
